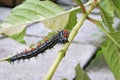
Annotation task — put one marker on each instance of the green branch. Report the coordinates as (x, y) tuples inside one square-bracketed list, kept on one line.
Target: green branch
[(81, 5), (99, 24), (73, 33)]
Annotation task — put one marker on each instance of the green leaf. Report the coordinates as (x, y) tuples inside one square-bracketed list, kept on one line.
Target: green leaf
[(19, 37), (112, 54), (101, 26), (111, 50), (31, 11), (107, 13), (80, 73), (78, 2), (72, 19), (64, 79), (99, 51), (116, 5), (34, 11)]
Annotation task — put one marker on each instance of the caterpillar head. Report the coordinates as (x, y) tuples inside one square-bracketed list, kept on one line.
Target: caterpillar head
[(64, 36)]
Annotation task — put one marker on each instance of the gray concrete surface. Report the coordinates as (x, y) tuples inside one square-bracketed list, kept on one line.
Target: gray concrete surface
[(98, 69), (35, 69), (81, 50)]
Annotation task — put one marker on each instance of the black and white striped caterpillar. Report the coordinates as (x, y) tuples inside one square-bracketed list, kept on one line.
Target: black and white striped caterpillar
[(60, 37)]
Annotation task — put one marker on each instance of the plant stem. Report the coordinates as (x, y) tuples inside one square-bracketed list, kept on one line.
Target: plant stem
[(99, 24), (110, 28), (62, 52), (81, 5)]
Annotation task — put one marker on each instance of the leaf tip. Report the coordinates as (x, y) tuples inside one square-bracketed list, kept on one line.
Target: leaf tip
[(5, 59)]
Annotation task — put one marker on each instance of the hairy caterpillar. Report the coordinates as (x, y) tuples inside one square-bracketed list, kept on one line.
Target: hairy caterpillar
[(60, 37)]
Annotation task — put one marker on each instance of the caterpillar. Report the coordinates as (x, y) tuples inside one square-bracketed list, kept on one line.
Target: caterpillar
[(60, 37)]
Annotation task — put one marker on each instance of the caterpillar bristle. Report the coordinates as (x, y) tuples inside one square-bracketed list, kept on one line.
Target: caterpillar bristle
[(12, 63), (38, 44), (32, 49), (44, 53), (45, 39), (32, 45), (26, 51), (23, 60), (47, 43), (18, 61), (29, 60), (36, 57)]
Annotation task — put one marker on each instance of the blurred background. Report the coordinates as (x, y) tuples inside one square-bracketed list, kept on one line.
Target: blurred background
[(82, 50)]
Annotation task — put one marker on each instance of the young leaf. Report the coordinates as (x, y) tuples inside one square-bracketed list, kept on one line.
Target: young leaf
[(116, 5), (107, 13), (112, 54), (53, 16), (72, 19), (80, 73), (111, 50), (29, 12), (19, 36)]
